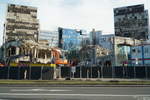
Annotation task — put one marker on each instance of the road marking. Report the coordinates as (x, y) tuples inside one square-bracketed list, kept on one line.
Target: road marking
[(4, 99), (30, 90), (88, 95)]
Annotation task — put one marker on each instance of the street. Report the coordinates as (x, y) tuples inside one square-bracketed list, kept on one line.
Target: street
[(74, 93)]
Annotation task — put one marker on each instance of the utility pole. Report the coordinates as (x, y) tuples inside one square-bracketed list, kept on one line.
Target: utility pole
[(4, 43)]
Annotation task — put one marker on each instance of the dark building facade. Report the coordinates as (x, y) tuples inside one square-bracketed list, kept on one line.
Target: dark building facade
[(21, 23), (131, 21), (95, 37)]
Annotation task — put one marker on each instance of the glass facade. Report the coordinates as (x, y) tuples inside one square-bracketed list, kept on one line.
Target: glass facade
[(95, 37), (51, 36), (70, 39), (123, 55)]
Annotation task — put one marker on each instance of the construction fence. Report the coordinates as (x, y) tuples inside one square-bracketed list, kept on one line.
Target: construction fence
[(49, 73)]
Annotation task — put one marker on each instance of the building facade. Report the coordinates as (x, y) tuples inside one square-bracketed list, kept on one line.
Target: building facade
[(50, 36), (140, 55), (120, 48), (21, 23), (105, 41), (90, 54), (95, 37), (26, 51), (69, 39), (131, 21)]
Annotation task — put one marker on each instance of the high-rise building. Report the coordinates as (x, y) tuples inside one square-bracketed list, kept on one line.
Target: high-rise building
[(21, 23), (69, 38), (51, 36), (95, 36), (131, 21)]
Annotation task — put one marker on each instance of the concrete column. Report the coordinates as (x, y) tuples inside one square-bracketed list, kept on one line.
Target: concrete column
[(17, 50), (17, 53), (45, 57), (55, 75), (35, 52)]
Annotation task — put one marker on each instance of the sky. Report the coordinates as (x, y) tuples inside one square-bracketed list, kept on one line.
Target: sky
[(76, 14)]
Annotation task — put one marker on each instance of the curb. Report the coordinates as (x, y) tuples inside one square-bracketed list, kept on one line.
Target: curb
[(47, 85)]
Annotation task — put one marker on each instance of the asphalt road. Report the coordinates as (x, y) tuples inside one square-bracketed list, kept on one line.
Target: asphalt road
[(74, 93)]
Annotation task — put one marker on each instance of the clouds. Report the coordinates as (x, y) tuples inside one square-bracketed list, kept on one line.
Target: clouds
[(82, 14), (120, 3), (85, 14)]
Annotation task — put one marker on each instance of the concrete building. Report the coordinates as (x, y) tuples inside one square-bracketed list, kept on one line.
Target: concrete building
[(120, 48), (21, 34), (26, 51), (131, 21), (50, 36), (21, 23), (43, 42), (89, 54)]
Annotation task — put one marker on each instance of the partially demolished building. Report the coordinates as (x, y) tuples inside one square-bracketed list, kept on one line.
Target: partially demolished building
[(28, 51), (21, 23), (120, 51), (21, 36), (90, 53)]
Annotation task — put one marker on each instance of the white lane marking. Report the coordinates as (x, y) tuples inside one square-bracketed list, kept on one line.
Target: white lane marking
[(98, 95), (28, 90), (59, 90), (3, 99)]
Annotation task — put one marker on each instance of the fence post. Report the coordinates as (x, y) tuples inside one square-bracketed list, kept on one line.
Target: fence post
[(80, 72), (87, 74), (91, 72), (29, 72), (70, 72), (8, 72), (102, 71), (146, 72), (59, 72), (18, 72), (123, 72), (112, 72), (134, 72), (98, 74), (41, 72)]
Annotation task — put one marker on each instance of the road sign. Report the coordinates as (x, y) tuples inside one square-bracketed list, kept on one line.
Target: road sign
[(73, 69)]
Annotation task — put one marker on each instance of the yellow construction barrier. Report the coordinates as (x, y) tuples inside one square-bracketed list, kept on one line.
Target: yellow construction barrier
[(32, 65)]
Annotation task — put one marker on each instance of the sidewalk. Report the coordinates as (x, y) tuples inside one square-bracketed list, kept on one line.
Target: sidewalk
[(103, 79), (77, 82)]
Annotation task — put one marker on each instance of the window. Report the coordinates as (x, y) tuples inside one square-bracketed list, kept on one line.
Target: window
[(146, 50), (133, 50)]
